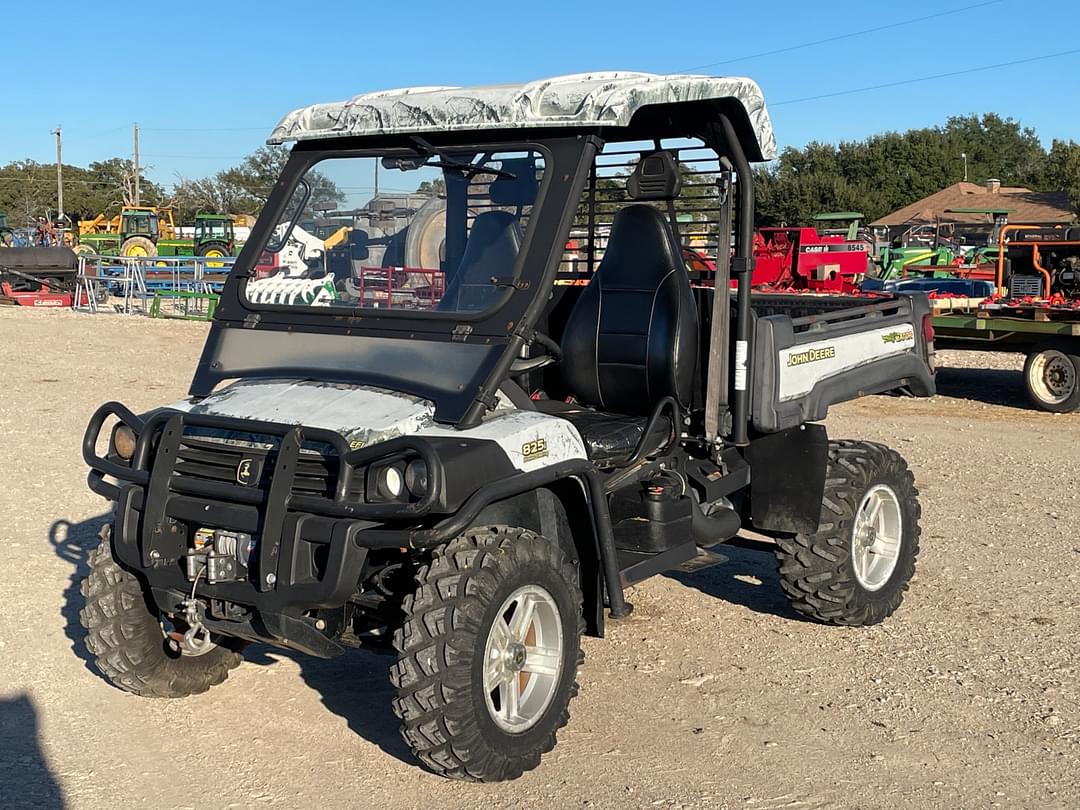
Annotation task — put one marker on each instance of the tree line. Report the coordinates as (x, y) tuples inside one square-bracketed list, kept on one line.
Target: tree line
[(876, 175), (28, 188), (885, 172)]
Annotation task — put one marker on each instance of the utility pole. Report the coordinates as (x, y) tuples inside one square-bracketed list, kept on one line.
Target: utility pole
[(59, 174), (136, 161)]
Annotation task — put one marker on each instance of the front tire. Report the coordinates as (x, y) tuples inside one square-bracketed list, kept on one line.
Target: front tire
[(855, 568), (1051, 377), (127, 640), (488, 654)]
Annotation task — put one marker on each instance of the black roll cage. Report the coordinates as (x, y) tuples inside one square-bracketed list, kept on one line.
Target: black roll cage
[(508, 327)]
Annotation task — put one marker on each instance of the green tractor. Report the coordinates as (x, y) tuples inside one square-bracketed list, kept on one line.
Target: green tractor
[(139, 235), (935, 250), (214, 236)]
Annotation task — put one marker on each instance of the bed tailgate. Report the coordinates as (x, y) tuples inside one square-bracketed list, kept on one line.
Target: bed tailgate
[(804, 365)]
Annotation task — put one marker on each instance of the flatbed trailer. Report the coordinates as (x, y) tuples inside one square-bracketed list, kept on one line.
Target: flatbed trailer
[(1049, 336)]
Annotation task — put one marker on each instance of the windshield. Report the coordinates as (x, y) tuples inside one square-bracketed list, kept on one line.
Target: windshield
[(210, 229), (418, 230)]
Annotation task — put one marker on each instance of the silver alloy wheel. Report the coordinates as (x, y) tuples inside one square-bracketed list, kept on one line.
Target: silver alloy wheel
[(876, 536), (523, 659), (1052, 376)]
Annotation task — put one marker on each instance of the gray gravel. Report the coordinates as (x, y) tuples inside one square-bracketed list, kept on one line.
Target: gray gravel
[(713, 694)]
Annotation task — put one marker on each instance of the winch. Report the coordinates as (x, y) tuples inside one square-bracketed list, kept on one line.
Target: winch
[(219, 555)]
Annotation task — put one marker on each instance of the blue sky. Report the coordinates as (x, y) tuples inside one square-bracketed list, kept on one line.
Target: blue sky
[(215, 88)]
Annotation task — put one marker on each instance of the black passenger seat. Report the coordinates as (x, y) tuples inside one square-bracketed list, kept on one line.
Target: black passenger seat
[(632, 337)]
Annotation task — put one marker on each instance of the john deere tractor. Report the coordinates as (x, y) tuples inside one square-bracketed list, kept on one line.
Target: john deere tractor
[(214, 236)]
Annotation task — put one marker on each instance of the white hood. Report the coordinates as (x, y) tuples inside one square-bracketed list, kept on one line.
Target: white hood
[(361, 414)]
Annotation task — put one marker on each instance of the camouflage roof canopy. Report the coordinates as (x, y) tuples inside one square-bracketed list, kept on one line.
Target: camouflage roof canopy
[(605, 99)]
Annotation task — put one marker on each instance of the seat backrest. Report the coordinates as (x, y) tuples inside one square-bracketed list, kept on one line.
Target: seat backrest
[(632, 337), (491, 251)]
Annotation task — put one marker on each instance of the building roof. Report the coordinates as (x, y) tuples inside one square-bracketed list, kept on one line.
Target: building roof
[(604, 99), (1022, 204)]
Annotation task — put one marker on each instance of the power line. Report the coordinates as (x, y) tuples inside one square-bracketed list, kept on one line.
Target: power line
[(206, 129), (848, 35), (194, 157), (901, 82)]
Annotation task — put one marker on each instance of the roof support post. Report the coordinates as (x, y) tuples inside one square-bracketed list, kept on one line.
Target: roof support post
[(743, 269)]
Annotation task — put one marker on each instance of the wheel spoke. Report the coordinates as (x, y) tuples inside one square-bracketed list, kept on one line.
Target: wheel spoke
[(494, 673), (522, 618), (541, 661), (501, 634), (510, 699), (875, 505)]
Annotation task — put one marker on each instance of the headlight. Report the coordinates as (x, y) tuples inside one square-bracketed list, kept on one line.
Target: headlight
[(123, 441), (391, 483), (416, 478)]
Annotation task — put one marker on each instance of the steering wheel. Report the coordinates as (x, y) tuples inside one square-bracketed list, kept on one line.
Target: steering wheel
[(552, 355)]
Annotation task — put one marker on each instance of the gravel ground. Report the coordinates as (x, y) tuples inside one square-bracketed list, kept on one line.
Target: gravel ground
[(712, 695)]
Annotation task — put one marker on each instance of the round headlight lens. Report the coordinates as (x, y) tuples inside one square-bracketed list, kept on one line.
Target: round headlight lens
[(123, 441), (393, 485), (416, 478)]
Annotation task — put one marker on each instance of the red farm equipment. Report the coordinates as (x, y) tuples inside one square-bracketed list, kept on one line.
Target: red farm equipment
[(804, 259)]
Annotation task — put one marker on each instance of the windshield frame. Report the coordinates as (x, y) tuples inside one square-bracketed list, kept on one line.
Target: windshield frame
[(344, 345), (308, 159)]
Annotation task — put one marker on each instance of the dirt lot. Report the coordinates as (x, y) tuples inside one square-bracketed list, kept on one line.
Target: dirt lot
[(712, 695)]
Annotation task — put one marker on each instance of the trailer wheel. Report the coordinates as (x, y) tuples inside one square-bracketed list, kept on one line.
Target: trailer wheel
[(855, 568), (1050, 375), (488, 654), (129, 642), (138, 246)]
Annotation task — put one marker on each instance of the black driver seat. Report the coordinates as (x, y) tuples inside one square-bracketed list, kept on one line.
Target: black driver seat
[(631, 339)]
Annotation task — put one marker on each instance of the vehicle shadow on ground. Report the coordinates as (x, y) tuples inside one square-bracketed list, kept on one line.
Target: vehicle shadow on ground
[(27, 781), (748, 578), (992, 386), (73, 543), (355, 686)]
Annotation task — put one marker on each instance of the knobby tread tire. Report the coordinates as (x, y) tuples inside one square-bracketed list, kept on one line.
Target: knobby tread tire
[(816, 570), (442, 635), (125, 637)]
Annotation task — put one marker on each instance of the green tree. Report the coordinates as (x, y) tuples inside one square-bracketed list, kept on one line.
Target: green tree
[(1061, 170)]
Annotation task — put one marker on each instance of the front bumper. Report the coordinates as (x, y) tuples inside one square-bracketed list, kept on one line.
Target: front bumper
[(311, 550)]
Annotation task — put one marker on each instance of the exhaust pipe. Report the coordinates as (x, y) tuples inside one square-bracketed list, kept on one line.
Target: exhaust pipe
[(708, 530)]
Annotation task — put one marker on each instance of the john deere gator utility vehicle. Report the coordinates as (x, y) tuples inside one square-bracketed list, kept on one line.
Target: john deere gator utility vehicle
[(473, 485)]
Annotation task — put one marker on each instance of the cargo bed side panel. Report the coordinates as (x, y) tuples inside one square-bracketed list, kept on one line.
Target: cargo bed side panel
[(802, 367)]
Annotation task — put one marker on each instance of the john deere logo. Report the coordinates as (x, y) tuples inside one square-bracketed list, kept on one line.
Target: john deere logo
[(245, 471), (811, 356)]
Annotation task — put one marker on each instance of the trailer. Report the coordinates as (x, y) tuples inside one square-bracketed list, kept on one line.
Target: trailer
[(1048, 335)]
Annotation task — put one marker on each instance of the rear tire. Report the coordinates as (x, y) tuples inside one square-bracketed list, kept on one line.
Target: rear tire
[(844, 573), (126, 637), (451, 649), (138, 246), (1051, 377)]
